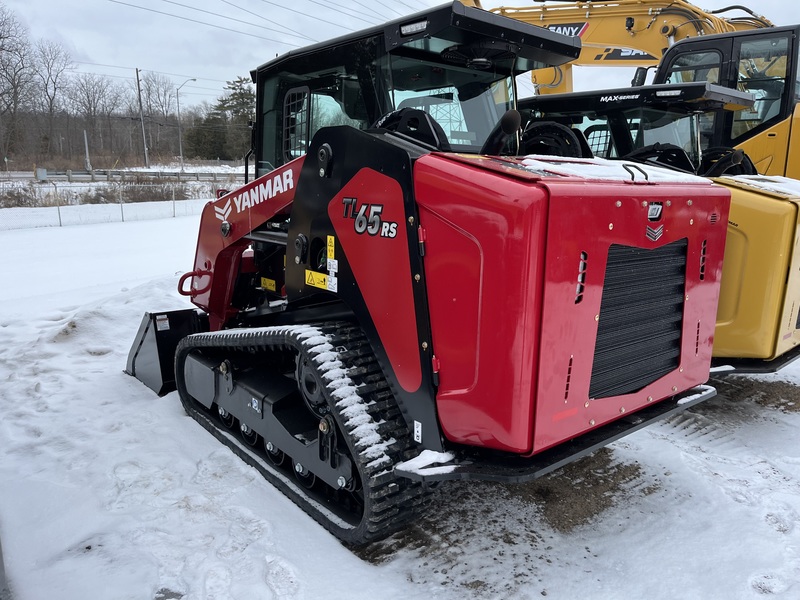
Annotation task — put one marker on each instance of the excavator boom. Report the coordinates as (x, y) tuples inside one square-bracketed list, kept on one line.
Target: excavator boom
[(625, 33)]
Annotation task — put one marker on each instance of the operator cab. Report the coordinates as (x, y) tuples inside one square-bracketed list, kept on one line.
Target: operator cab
[(455, 64), (763, 62), (666, 125)]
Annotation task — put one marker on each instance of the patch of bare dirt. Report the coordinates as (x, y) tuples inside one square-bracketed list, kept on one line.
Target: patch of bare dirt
[(479, 532), (582, 490), (770, 394)]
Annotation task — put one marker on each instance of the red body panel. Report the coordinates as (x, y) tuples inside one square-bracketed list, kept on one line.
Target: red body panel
[(484, 271), (217, 257), (515, 349), (381, 268)]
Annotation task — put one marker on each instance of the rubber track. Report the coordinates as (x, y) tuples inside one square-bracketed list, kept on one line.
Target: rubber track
[(390, 502)]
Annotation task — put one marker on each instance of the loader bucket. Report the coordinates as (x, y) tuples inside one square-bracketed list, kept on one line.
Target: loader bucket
[(152, 355)]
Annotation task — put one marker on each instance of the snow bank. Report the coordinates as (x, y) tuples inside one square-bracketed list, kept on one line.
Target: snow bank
[(53, 216)]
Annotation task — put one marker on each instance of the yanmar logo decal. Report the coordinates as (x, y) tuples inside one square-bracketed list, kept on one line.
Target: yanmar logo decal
[(575, 29), (250, 197), (222, 212), (655, 233)]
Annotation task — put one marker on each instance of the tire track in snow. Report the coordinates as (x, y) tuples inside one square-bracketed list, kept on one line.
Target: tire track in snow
[(714, 444), (64, 412), (281, 578), (35, 378)]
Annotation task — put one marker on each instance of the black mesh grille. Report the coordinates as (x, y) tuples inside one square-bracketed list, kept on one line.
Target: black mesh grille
[(641, 312), (295, 122)]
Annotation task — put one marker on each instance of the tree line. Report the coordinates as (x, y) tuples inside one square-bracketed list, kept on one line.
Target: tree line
[(49, 112)]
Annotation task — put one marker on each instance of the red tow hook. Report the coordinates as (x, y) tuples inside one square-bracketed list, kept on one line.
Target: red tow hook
[(191, 291)]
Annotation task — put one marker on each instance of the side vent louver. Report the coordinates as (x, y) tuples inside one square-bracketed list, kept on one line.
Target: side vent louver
[(569, 377), (582, 266), (697, 340), (703, 261)]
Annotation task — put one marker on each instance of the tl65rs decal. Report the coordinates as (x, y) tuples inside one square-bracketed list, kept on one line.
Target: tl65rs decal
[(367, 218)]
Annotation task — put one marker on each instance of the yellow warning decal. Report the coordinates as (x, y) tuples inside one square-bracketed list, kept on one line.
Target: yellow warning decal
[(317, 280), (331, 247), (269, 284)]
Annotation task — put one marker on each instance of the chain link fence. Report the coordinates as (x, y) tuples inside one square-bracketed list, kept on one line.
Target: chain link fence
[(31, 204)]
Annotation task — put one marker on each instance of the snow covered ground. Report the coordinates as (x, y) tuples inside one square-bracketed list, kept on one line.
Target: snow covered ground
[(107, 491)]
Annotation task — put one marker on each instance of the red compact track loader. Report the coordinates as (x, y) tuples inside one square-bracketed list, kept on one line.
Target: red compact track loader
[(403, 297)]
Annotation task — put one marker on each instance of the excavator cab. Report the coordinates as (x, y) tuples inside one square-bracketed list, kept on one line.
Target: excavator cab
[(762, 62)]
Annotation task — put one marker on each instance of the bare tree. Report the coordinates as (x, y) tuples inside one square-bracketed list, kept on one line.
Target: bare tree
[(158, 97), (86, 92), (16, 77), (51, 64), (110, 106), (90, 96), (159, 94), (45, 106)]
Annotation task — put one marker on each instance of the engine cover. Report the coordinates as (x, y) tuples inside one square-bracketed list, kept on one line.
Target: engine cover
[(565, 293)]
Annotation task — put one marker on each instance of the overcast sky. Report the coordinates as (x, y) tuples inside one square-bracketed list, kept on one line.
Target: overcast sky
[(215, 41)]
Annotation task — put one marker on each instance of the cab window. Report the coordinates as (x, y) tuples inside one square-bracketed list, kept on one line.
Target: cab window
[(762, 71), (695, 66)]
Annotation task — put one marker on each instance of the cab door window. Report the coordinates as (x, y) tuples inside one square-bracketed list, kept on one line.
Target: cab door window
[(762, 71), (695, 66)]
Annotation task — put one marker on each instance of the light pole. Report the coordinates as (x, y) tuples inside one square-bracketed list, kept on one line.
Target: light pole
[(178, 99), (141, 118)]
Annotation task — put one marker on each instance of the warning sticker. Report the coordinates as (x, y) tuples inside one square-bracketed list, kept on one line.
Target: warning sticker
[(333, 283), (268, 284), (317, 280), (331, 246), (162, 323), (333, 265)]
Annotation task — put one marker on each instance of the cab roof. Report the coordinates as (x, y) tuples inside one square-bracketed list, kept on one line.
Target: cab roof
[(452, 25)]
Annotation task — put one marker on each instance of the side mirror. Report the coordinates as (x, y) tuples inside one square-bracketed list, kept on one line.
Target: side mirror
[(251, 151), (639, 77)]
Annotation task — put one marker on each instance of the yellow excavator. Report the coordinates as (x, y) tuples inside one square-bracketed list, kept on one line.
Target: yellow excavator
[(684, 43), (624, 33)]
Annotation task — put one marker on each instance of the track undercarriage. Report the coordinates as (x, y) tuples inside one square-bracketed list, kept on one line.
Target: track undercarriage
[(327, 436)]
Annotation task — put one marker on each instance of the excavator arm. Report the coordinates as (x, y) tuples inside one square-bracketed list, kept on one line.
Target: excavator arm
[(623, 33)]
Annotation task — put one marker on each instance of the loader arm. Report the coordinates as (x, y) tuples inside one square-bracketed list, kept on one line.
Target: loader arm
[(225, 227)]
